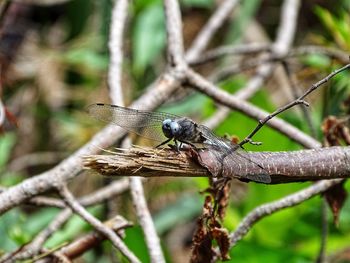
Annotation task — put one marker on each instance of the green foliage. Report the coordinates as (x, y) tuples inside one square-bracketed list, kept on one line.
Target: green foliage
[(251, 252), (337, 26), (335, 95), (7, 142), (291, 235), (148, 37), (74, 226), (17, 228), (185, 209), (197, 3), (86, 58), (246, 11), (135, 241), (317, 61), (76, 22)]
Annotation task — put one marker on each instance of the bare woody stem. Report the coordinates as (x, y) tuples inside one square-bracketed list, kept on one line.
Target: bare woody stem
[(282, 167)]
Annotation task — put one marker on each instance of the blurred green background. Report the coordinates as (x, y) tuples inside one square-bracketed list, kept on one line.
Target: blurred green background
[(61, 67)]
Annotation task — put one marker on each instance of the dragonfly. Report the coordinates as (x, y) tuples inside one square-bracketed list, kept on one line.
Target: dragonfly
[(165, 127)]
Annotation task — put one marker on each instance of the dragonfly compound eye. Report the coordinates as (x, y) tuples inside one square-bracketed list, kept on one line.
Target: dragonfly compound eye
[(166, 127), (175, 128)]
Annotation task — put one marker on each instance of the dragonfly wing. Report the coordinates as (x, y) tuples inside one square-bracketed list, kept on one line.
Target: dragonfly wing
[(260, 178), (211, 140), (240, 158), (147, 124), (231, 153)]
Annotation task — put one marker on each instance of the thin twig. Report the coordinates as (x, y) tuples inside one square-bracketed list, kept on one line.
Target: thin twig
[(145, 220), (2, 112), (119, 16), (287, 27), (209, 29), (243, 49), (288, 201), (297, 93), (253, 48), (280, 47), (90, 240), (224, 98), (299, 100), (99, 196), (174, 34), (98, 225), (321, 258), (35, 246)]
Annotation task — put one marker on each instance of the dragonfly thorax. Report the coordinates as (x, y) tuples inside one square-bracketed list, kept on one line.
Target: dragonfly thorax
[(171, 129)]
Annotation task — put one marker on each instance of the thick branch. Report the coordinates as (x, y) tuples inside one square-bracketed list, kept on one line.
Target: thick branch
[(145, 162), (281, 167)]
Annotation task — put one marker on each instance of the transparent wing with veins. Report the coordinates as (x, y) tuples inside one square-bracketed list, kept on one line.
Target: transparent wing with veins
[(147, 124), (230, 153)]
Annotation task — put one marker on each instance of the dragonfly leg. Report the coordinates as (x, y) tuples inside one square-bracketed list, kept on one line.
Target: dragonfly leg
[(177, 146), (186, 142), (164, 143)]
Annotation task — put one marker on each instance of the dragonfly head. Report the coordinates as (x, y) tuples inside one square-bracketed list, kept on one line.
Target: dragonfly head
[(170, 128)]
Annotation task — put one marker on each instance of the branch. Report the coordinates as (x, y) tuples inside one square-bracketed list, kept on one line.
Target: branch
[(244, 49), (145, 220), (287, 27), (297, 101), (269, 208), (86, 242), (34, 247), (281, 167), (230, 70), (224, 98), (70, 167), (116, 39), (119, 15), (174, 34), (2, 110), (98, 225), (145, 162), (208, 31)]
